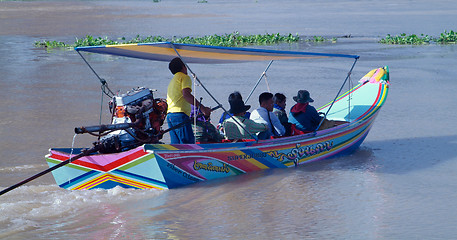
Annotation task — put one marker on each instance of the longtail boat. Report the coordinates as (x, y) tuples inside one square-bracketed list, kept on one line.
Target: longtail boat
[(165, 166)]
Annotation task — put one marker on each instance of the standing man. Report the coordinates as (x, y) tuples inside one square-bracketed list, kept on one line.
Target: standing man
[(179, 100), (264, 114)]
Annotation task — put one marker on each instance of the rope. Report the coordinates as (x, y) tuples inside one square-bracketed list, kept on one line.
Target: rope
[(258, 81), (266, 81), (104, 87), (101, 109), (195, 107)]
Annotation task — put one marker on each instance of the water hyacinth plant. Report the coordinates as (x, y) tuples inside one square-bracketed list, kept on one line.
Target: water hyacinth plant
[(320, 39), (447, 37), (236, 39), (54, 44), (413, 39), (227, 40)]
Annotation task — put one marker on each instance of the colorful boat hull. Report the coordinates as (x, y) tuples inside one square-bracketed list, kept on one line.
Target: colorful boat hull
[(164, 166)]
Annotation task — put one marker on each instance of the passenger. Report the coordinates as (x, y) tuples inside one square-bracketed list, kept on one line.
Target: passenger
[(204, 131), (302, 115), (232, 97), (232, 129), (264, 114), (179, 100), (279, 110)]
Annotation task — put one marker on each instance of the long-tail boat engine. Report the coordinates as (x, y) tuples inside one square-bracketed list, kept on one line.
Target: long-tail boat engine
[(136, 119)]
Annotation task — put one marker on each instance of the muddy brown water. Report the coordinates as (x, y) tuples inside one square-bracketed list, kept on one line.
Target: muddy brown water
[(400, 184)]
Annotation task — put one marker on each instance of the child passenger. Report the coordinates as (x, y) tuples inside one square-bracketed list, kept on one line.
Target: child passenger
[(279, 107)]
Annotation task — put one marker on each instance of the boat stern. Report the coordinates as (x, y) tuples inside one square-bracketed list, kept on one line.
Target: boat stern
[(131, 169)]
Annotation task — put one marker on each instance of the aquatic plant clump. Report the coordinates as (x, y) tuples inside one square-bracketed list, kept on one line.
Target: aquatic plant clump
[(404, 39), (228, 40), (447, 37), (413, 39), (53, 44), (236, 39), (320, 39)]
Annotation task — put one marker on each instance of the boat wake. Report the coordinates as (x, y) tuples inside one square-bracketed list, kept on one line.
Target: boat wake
[(30, 207), (26, 167)]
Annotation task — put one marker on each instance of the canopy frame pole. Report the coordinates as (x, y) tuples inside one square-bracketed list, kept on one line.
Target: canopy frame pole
[(341, 88), (102, 81), (264, 74), (104, 87), (211, 95)]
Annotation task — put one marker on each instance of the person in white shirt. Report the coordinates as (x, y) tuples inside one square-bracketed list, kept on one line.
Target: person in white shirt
[(264, 114)]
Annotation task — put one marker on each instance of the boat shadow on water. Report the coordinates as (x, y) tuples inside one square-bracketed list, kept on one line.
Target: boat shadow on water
[(362, 159), (401, 156), (393, 156)]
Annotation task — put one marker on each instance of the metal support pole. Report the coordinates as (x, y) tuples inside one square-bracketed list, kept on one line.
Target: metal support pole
[(102, 81), (341, 88), (258, 81)]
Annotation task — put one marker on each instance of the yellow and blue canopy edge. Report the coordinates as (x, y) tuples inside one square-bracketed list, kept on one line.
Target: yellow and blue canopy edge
[(191, 53)]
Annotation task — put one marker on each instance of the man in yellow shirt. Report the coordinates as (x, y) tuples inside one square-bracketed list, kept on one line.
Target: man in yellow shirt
[(179, 100)]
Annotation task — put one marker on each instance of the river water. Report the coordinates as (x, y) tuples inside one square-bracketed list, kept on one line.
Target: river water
[(400, 184)]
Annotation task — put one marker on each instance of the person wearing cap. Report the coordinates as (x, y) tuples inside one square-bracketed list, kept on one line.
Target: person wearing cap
[(232, 128), (179, 100), (302, 115), (232, 97), (264, 114)]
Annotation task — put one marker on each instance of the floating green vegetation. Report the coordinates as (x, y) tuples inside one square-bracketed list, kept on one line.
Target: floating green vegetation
[(228, 40), (447, 38), (236, 39), (413, 39), (404, 39), (320, 39), (51, 44)]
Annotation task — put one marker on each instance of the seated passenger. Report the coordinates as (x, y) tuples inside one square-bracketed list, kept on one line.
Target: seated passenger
[(232, 97), (204, 131), (279, 110), (264, 114), (232, 128), (302, 115)]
